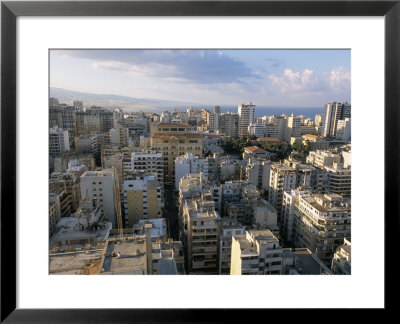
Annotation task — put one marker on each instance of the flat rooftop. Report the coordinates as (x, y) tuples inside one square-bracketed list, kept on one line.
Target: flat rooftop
[(132, 259)]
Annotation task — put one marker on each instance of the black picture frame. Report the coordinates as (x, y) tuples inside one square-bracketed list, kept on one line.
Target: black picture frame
[(10, 10)]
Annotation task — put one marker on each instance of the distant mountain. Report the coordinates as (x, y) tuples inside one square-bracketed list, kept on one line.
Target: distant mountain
[(115, 101)]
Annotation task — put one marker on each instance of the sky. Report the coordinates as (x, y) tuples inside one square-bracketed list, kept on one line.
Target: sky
[(277, 78)]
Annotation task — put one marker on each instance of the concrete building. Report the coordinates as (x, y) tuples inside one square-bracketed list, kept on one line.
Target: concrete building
[(94, 120), (322, 159), (341, 262), (246, 117), (174, 140), (255, 151), (58, 141), (334, 111), (282, 178), (68, 181), (339, 179), (193, 185), (290, 198), (293, 128), (201, 231), (228, 124), (149, 161), (212, 121), (258, 253), (100, 185), (258, 173), (229, 228), (142, 199), (213, 143), (315, 142), (119, 135), (343, 130), (321, 222), (257, 129), (87, 225), (189, 163)]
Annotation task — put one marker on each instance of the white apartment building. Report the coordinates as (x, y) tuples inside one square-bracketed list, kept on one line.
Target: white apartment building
[(257, 129), (290, 198), (228, 229), (149, 161), (339, 179), (212, 121), (258, 173), (293, 128), (282, 178), (321, 222), (58, 141), (343, 130), (258, 253), (246, 117), (341, 262), (322, 159), (189, 163), (100, 185)]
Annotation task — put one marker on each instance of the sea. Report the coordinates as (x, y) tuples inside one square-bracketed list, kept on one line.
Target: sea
[(261, 111)]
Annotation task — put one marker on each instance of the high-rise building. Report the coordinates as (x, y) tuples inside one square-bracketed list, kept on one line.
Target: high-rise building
[(142, 199), (212, 121), (246, 117), (201, 231), (282, 178), (149, 161), (100, 185), (334, 112), (217, 109), (228, 124), (58, 141)]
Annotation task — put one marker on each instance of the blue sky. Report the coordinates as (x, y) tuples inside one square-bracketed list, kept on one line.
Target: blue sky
[(285, 78)]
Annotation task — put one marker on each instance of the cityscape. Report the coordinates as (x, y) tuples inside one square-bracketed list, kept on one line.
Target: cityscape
[(156, 183)]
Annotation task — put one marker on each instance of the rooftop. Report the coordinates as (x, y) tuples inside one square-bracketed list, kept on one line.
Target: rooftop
[(268, 139), (131, 259), (186, 136), (173, 125), (254, 149)]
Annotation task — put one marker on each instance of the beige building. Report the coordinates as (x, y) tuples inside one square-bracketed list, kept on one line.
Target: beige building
[(201, 232), (174, 139), (341, 262), (229, 228), (142, 199), (258, 253), (321, 222)]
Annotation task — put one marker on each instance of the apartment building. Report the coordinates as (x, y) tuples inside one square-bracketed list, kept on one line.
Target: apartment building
[(173, 140), (258, 253), (246, 117), (228, 124), (142, 199), (58, 141), (100, 185), (321, 222)]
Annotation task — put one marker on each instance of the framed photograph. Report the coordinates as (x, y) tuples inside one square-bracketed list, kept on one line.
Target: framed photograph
[(42, 46)]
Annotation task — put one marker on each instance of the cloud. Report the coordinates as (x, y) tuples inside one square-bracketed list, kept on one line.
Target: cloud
[(337, 80), (195, 66)]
